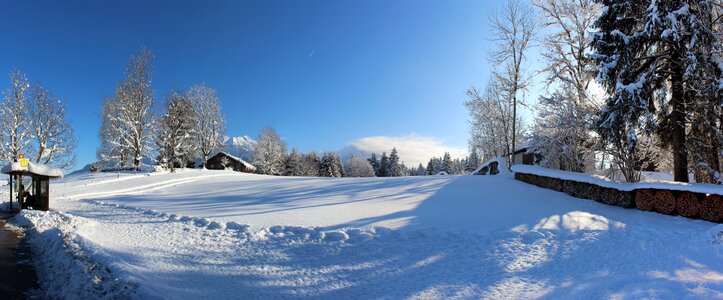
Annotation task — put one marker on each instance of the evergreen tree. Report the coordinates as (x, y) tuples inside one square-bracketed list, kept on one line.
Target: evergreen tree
[(472, 161), (383, 165), (447, 164), (393, 168), (421, 171), (657, 60), (330, 165), (294, 164), (434, 166), (374, 161), (311, 165)]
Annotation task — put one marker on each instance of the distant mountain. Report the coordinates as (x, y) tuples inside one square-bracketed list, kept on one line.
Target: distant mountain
[(347, 152), (243, 147)]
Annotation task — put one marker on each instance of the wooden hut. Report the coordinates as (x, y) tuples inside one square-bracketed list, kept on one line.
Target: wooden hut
[(31, 183), (223, 160), (522, 156)]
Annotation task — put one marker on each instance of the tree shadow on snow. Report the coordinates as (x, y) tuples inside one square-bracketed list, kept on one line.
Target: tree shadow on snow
[(507, 240)]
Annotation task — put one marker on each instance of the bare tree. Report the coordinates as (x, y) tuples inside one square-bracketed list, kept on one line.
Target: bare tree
[(358, 167), (211, 126), (127, 127), (491, 121), (112, 151), (270, 156), (564, 123), (53, 135), (14, 133), (513, 30)]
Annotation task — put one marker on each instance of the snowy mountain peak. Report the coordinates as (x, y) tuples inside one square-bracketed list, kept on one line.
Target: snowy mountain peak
[(240, 146)]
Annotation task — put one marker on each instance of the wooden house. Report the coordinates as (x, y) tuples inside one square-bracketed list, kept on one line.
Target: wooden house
[(223, 161)]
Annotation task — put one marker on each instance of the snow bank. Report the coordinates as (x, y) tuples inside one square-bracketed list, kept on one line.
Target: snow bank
[(622, 186), (501, 166), (64, 268)]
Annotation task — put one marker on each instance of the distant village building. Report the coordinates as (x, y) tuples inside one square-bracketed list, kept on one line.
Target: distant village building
[(223, 160)]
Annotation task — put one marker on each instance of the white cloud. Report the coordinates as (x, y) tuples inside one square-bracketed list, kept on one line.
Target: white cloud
[(413, 149)]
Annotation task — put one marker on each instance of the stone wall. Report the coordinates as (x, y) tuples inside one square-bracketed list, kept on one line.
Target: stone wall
[(671, 202)]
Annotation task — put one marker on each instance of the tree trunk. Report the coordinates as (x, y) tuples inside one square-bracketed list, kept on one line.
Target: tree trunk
[(677, 118), (514, 127), (137, 160)]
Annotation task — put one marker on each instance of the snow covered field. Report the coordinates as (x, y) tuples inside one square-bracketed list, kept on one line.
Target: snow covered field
[(218, 234)]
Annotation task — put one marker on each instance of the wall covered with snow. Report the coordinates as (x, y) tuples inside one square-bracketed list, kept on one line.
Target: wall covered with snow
[(667, 199)]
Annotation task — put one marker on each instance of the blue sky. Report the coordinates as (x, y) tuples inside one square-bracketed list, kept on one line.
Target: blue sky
[(324, 74)]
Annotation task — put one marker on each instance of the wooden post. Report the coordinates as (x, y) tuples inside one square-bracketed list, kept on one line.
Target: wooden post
[(11, 192)]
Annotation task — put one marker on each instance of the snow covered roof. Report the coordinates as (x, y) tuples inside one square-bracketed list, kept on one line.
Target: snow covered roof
[(32, 168), (246, 164), (522, 146)]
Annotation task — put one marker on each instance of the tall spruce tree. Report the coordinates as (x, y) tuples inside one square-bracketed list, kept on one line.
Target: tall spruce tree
[(652, 57), (383, 165), (374, 161), (394, 169)]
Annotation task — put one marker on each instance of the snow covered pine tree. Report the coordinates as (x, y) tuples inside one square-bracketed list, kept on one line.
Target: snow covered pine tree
[(653, 57)]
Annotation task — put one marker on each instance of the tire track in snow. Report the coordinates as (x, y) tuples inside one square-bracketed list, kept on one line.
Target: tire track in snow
[(142, 188)]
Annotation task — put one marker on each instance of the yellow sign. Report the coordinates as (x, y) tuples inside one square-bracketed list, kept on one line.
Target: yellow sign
[(24, 162)]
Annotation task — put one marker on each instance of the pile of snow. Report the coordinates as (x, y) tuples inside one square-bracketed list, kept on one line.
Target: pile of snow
[(501, 166), (32, 168), (64, 260), (623, 186), (222, 234)]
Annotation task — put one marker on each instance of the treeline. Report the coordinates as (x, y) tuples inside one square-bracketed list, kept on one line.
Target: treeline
[(189, 129), (451, 166), (33, 123), (271, 158), (639, 94)]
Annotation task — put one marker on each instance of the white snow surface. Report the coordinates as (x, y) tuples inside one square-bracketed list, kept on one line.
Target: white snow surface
[(32, 168), (623, 186), (222, 234)]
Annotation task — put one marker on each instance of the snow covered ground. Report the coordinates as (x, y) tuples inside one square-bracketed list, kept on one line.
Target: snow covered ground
[(219, 234)]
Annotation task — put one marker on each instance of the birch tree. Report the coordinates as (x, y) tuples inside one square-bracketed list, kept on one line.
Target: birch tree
[(513, 29), (564, 122), (491, 121)]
